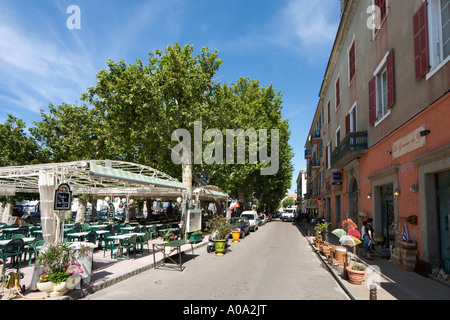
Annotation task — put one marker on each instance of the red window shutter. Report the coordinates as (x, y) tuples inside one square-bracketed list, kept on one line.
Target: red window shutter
[(338, 94), (347, 124), (326, 158), (351, 61), (338, 137), (372, 101), (421, 52), (390, 79), (329, 105)]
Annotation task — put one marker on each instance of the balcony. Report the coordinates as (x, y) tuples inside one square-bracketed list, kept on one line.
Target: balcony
[(315, 165), (352, 147), (315, 137), (308, 154)]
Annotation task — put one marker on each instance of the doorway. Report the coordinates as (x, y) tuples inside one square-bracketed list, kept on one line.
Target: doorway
[(387, 212), (443, 210)]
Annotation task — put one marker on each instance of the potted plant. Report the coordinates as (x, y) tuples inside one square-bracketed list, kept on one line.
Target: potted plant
[(196, 236), (220, 226), (356, 273), (318, 236), (59, 264), (170, 236), (326, 246)]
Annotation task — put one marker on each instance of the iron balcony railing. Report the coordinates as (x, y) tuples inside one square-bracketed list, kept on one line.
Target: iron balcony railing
[(352, 147)]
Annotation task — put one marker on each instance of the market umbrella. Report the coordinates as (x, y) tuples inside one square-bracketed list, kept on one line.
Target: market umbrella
[(339, 232), (354, 233), (348, 241), (348, 224)]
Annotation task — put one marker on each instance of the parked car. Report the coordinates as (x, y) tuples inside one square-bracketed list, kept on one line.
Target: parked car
[(253, 219), (288, 214), (242, 224)]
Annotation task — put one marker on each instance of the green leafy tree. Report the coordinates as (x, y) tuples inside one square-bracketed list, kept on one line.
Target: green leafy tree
[(18, 147)]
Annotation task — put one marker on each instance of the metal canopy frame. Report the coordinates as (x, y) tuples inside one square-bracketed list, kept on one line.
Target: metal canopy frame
[(101, 178)]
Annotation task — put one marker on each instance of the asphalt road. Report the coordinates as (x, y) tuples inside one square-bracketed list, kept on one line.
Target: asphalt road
[(273, 263)]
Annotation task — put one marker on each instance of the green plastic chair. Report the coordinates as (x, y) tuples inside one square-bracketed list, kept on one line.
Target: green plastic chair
[(13, 249), (17, 236), (144, 241), (91, 237), (128, 244), (67, 232), (85, 227), (108, 243), (33, 248)]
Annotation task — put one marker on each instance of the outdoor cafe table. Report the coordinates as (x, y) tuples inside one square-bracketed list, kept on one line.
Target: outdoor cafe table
[(9, 231), (172, 244), (79, 235), (125, 236), (25, 240)]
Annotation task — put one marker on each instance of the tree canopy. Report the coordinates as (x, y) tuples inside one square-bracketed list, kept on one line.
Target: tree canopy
[(133, 111)]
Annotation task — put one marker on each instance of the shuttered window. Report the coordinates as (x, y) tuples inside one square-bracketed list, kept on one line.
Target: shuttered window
[(372, 101), (338, 94), (421, 49), (351, 62), (382, 89)]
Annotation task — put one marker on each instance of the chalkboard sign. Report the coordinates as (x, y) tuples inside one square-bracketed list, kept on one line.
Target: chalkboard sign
[(63, 197)]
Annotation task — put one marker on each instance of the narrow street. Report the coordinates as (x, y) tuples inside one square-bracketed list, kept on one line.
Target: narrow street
[(273, 263)]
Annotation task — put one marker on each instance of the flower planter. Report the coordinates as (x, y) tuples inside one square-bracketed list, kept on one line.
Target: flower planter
[(53, 290), (326, 250), (236, 235), (219, 246), (355, 276)]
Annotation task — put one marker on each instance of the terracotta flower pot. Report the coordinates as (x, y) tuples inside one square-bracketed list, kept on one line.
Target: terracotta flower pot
[(355, 276)]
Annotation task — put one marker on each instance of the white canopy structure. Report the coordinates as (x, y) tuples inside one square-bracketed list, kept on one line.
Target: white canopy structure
[(99, 179)]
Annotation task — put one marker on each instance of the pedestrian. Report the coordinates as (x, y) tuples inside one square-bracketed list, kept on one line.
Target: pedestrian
[(368, 239), (363, 230)]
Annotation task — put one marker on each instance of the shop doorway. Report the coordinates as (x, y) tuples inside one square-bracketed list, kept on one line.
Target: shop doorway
[(443, 206), (353, 198), (387, 212), (337, 209)]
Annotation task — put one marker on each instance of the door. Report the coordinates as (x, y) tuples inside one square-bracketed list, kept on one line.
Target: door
[(387, 212), (443, 205)]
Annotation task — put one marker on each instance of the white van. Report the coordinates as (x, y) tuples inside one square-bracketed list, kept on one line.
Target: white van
[(253, 218)]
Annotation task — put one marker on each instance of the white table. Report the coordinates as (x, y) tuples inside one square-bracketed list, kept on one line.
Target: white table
[(25, 240)]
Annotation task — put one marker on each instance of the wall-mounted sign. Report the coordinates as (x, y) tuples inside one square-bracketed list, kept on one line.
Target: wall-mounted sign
[(63, 197), (194, 221), (337, 179), (408, 143)]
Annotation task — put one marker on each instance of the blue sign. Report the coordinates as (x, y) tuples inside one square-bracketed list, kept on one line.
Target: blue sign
[(337, 179)]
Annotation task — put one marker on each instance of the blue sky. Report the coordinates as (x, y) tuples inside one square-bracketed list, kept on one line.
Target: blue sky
[(286, 43)]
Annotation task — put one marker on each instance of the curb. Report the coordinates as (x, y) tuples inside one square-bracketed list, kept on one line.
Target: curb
[(83, 292), (330, 268)]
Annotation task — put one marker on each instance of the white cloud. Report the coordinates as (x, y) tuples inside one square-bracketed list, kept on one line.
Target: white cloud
[(308, 26), (37, 69)]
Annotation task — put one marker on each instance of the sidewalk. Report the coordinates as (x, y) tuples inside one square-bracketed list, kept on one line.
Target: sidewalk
[(106, 271), (394, 283)]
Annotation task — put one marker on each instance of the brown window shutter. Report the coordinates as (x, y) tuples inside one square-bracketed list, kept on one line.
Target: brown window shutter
[(347, 124), (372, 101), (421, 51), (390, 79)]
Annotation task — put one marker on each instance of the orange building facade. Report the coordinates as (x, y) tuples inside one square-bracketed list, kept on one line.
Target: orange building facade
[(379, 143)]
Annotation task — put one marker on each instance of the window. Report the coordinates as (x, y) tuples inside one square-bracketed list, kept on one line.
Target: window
[(350, 120), (381, 4), (328, 156), (329, 111), (351, 63), (338, 136), (438, 17), (382, 89), (338, 94)]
